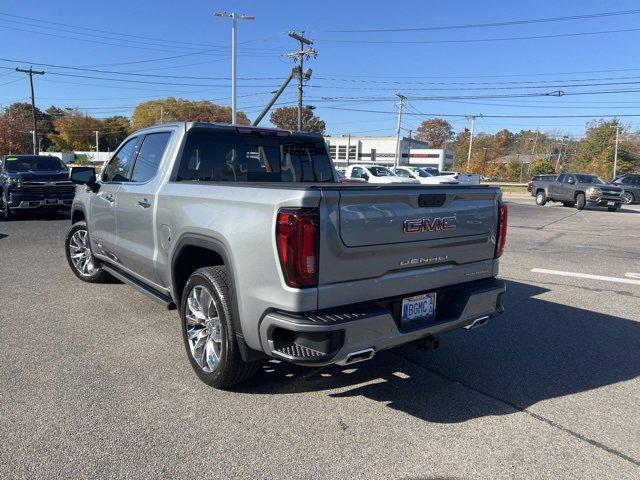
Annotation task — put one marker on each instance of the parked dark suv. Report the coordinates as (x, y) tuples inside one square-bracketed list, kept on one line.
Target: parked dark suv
[(630, 185), (29, 182)]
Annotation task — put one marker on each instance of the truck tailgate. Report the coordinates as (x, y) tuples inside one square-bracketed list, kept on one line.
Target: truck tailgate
[(387, 241)]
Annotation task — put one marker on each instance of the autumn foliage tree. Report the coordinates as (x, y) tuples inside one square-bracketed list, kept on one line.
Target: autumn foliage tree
[(436, 131), (287, 119), (16, 122), (179, 109), (74, 131)]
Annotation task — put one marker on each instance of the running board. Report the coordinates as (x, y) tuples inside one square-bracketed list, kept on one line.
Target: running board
[(141, 287)]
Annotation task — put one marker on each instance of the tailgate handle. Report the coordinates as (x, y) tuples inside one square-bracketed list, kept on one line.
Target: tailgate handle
[(432, 200)]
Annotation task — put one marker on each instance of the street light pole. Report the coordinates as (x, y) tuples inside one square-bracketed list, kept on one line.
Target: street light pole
[(615, 155), (472, 119), (401, 102), (234, 40)]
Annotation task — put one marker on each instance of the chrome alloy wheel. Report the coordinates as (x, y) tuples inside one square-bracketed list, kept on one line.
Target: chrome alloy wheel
[(627, 198), (80, 254), (204, 328)]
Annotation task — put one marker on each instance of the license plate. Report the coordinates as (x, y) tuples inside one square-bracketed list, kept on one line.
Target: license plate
[(611, 204), (418, 309), (51, 201)]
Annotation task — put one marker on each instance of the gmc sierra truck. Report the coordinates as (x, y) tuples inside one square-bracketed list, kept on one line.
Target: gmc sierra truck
[(247, 233), (577, 189)]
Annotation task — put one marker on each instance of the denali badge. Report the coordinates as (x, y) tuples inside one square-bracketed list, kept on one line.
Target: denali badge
[(429, 224), (421, 260)]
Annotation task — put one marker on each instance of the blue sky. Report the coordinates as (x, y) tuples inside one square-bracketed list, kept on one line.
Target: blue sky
[(351, 72)]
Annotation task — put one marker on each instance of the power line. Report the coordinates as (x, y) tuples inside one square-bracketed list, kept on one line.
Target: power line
[(492, 24), (112, 72), (485, 116), (478, 40)]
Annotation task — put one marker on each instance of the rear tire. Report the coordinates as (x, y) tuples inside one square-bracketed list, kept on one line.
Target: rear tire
[(541, 199), (5, 212), (581, 201), (208, 332), (80, 257), (628, 198)]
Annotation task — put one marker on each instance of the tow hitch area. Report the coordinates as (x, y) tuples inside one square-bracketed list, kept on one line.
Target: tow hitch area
[(427, 343)]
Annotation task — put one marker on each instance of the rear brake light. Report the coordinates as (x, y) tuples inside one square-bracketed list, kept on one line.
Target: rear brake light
[(297, 239), (502, 230)]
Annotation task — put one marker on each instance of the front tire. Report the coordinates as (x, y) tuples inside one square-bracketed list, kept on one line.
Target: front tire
[(581, 201), (628, 198), (5, 212), (80, 257), (208, 332), (614, 208), (541, 199)]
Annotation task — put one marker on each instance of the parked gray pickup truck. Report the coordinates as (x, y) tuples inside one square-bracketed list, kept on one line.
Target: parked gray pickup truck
[(577, 189), (246, 232)]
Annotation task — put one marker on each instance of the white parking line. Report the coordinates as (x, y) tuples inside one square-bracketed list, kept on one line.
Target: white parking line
[(632, 275), (586, 275)]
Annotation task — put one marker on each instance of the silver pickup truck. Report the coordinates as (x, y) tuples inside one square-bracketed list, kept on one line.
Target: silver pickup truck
[(246, 232)]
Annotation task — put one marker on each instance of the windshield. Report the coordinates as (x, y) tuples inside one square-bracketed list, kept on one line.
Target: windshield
[(381, 172), (33, 163), (421, 172), (589, 179)]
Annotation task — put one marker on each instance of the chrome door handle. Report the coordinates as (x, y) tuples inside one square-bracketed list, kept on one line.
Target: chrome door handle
[(144, 203), (109, 197)]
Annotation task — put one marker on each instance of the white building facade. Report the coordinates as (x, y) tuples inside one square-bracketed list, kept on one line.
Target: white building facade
[(347, 150)]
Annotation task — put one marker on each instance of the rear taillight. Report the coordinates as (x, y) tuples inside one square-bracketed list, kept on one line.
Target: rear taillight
[(297, 239), (502, 230)]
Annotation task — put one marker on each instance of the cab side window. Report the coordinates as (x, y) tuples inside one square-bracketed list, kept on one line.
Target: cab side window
[(401, 173), (119, 167), (561, 178), (149, 155)]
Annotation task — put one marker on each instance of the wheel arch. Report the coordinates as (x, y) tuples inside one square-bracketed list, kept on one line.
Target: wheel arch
[(578, 192), (77, 215), (194, 251)]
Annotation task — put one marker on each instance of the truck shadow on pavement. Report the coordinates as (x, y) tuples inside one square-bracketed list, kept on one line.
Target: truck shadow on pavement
[(537, 350)]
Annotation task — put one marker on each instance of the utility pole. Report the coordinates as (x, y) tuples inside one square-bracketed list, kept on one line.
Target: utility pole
[(97, 133), (402, 100), (472, 119), (299, 56), (409, 150), (161, 113), (234, 41), (31, 72), (615, 154)]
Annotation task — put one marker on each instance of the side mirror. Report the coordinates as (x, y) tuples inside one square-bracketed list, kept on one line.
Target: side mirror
[(365, 177), (83, 176)]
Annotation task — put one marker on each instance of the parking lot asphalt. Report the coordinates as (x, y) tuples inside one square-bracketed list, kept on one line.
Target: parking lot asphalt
[(95, 382)]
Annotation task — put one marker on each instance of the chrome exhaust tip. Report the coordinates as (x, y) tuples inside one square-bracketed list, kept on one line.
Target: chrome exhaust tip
[(478, 322), (359, 356)]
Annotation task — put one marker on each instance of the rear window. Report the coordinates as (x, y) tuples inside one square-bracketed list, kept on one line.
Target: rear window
[(29, 163), (210, 156)]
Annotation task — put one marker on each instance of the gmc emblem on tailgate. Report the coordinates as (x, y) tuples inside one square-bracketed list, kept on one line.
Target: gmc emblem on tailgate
[(437, 224)]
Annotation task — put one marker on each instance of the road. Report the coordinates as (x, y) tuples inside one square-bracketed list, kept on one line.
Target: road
[(95, 382)]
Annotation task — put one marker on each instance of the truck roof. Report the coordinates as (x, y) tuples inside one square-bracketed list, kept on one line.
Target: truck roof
[(236, 128)]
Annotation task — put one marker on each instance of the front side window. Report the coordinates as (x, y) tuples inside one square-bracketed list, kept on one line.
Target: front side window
[(149, 155), (117, 170), (381, 172), (401, 173), (211, 156), (589, 179)]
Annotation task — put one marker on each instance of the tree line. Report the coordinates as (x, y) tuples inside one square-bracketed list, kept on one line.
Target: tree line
[(68, 129), (502, 155), (510, 155)]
